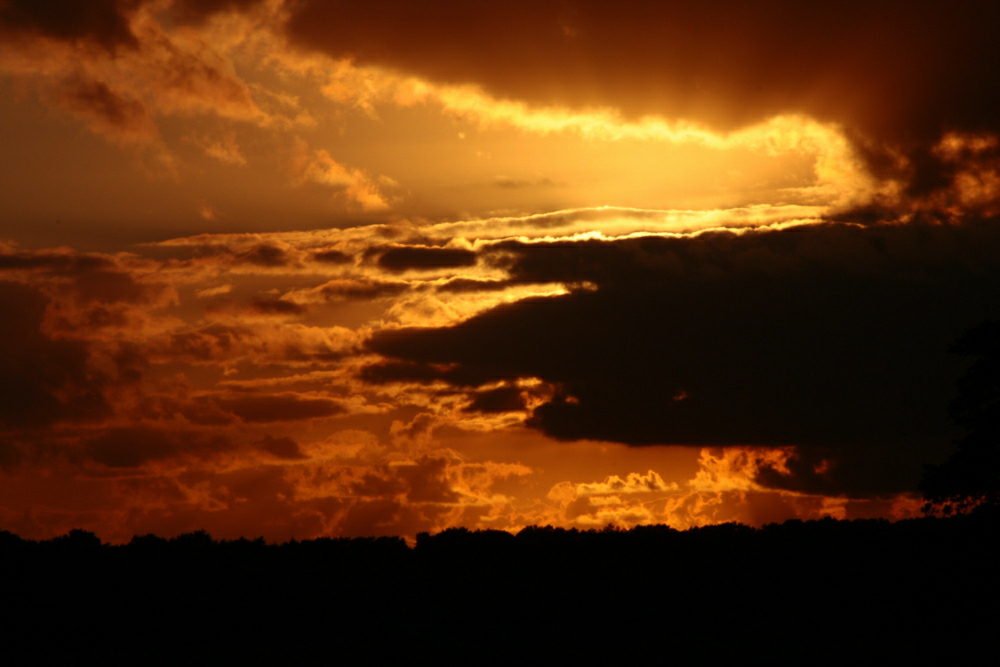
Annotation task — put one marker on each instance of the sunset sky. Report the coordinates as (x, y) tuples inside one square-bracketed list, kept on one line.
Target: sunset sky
[(297, 268)]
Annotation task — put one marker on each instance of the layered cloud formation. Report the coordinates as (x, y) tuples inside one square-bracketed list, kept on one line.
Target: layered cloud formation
[(818, 350), (437, 264)]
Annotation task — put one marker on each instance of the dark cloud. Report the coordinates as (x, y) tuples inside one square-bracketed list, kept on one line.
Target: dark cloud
[(895, 77), (887, 69), (131, 362), (60, 263), (87, 279), (201, 411), (319, 352), (42, 380), (263, 255), (332, 257), (282, 448), (277, 307), (279, 407), (373, 485), (832, 338), (462, 375), (400, 371), (105, 109), (473, 285), (133, 447), (420, 427), (216, 340), (427, 480), (422, 481), (111, 287), (383, 516), (405, 258), (877, 469), (504, 399), (104, 22), (362, 289)]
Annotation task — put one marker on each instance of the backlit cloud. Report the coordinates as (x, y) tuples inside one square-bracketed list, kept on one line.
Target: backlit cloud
[(318, 167), (303, 268)]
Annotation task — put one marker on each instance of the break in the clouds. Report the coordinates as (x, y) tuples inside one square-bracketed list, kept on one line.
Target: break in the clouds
[(311, 268)]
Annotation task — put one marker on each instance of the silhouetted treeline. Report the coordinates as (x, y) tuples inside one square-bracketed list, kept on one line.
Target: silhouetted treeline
[(823, 591)]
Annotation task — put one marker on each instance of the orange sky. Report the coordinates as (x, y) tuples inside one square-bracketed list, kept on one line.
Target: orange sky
[(301, 268)]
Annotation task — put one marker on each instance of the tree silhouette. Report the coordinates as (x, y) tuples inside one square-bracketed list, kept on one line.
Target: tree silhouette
[(970, 478)]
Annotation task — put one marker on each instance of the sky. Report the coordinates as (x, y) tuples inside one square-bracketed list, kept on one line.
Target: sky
[(291, 268)]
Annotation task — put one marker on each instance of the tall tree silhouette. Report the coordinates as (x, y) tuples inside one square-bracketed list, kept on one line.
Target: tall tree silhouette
[(970, 478)]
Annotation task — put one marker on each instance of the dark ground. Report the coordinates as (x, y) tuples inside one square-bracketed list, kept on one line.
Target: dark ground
[(826, 592)]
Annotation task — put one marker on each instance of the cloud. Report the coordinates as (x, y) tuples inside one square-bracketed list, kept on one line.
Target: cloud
[(356, 185), (427, 481), (277, 307), (830, 338), (134, 447), (425, 373), (868, 65), (877, 81), (871, 88), (199, 11), (404, 258), (429, 492), (110, 287), (263, 255), (633, 483), (503, 399), (214, 291), (45, 380), (89, 291), (332, 257), (739, 468), (104, 22), (257, 341), (725, 488), (58, 262), (212, 342), (460, 285), (105, 111), (361, 288), (225, 149), (839, 175), (281, 448), (279, 407), (117, 68)]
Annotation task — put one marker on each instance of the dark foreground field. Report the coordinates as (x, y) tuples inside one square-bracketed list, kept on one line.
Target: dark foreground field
[(816, 592)]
